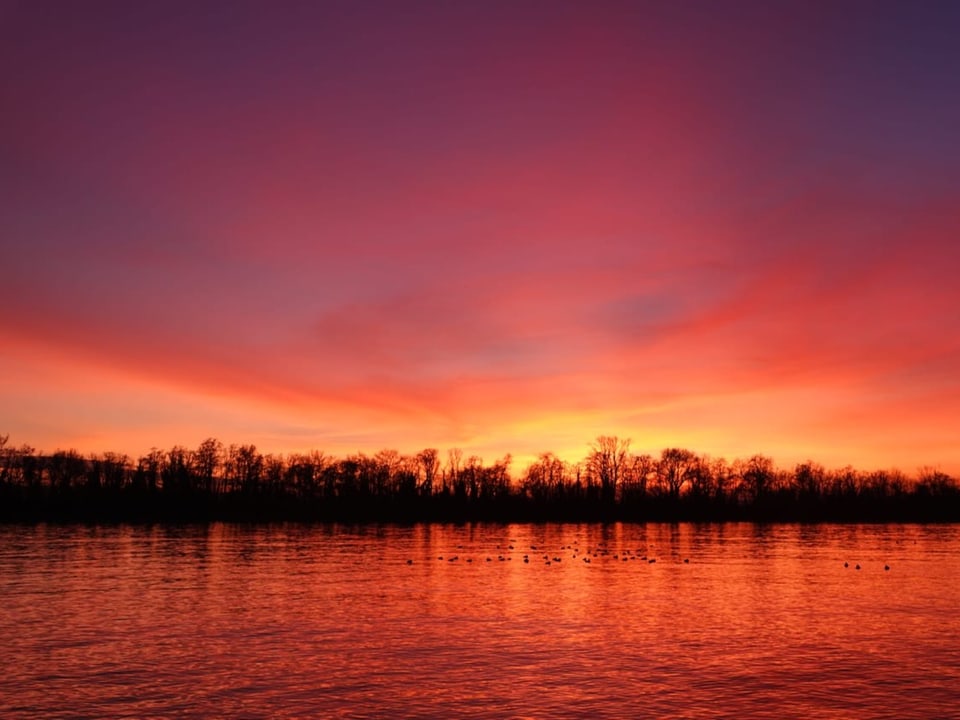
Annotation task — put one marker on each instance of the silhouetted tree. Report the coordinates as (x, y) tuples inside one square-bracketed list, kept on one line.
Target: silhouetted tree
[(637, 473), (176, 474), (758, 476), (429, 467), (453, 477), (808, 479), (65, 469), (701, 480), (845, 483), (207, 460), (406, 479), (495, 480), (723, 481), (675, 469), (611, 483), (608, 455), (304, 473), (544, 479), (936, 483), (244, 468), (112, 470), (147, 474)]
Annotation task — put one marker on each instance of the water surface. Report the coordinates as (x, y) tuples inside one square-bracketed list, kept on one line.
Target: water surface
[(730, 621)]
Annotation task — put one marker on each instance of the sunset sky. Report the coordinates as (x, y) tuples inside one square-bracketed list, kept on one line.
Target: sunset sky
[(499, 226)]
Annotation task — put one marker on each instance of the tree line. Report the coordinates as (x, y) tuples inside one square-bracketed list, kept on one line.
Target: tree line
[(237, 482)]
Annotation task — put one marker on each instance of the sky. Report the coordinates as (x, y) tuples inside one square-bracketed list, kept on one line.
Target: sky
[(506, 227)]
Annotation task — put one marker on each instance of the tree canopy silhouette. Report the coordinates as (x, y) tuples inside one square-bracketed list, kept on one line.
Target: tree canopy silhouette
[(238, 482)]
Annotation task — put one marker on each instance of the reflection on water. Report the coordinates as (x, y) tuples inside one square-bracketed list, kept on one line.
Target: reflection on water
[(514, 621)]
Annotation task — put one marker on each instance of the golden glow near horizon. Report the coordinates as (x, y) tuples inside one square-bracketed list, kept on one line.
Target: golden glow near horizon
[(72, 410)]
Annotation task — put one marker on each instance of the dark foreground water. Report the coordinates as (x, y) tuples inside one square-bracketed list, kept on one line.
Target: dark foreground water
[(299, 621)]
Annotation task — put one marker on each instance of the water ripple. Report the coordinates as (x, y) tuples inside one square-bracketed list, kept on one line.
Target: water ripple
[(293, 621)]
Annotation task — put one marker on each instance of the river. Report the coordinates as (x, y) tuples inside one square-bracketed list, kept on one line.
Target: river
[(480, 621)]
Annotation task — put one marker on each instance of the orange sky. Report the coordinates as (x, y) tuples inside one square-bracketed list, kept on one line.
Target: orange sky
[(505, 228)]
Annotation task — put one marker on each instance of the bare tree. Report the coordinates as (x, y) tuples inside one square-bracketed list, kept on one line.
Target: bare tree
[(701, 478), (429, 466), (176, 473), (545, 479), (454, 480), (207, 460), (244, 468), (758, 476), (675, 469), (636, 476), (147, 474), (808, 479), (608, 455)]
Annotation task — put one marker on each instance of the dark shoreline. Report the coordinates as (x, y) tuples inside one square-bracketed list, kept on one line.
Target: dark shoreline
[(165, 510), (215, 483)]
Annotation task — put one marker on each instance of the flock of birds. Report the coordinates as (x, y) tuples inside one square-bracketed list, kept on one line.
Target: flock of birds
[(600, 552), (538, 553), (857, 566)]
